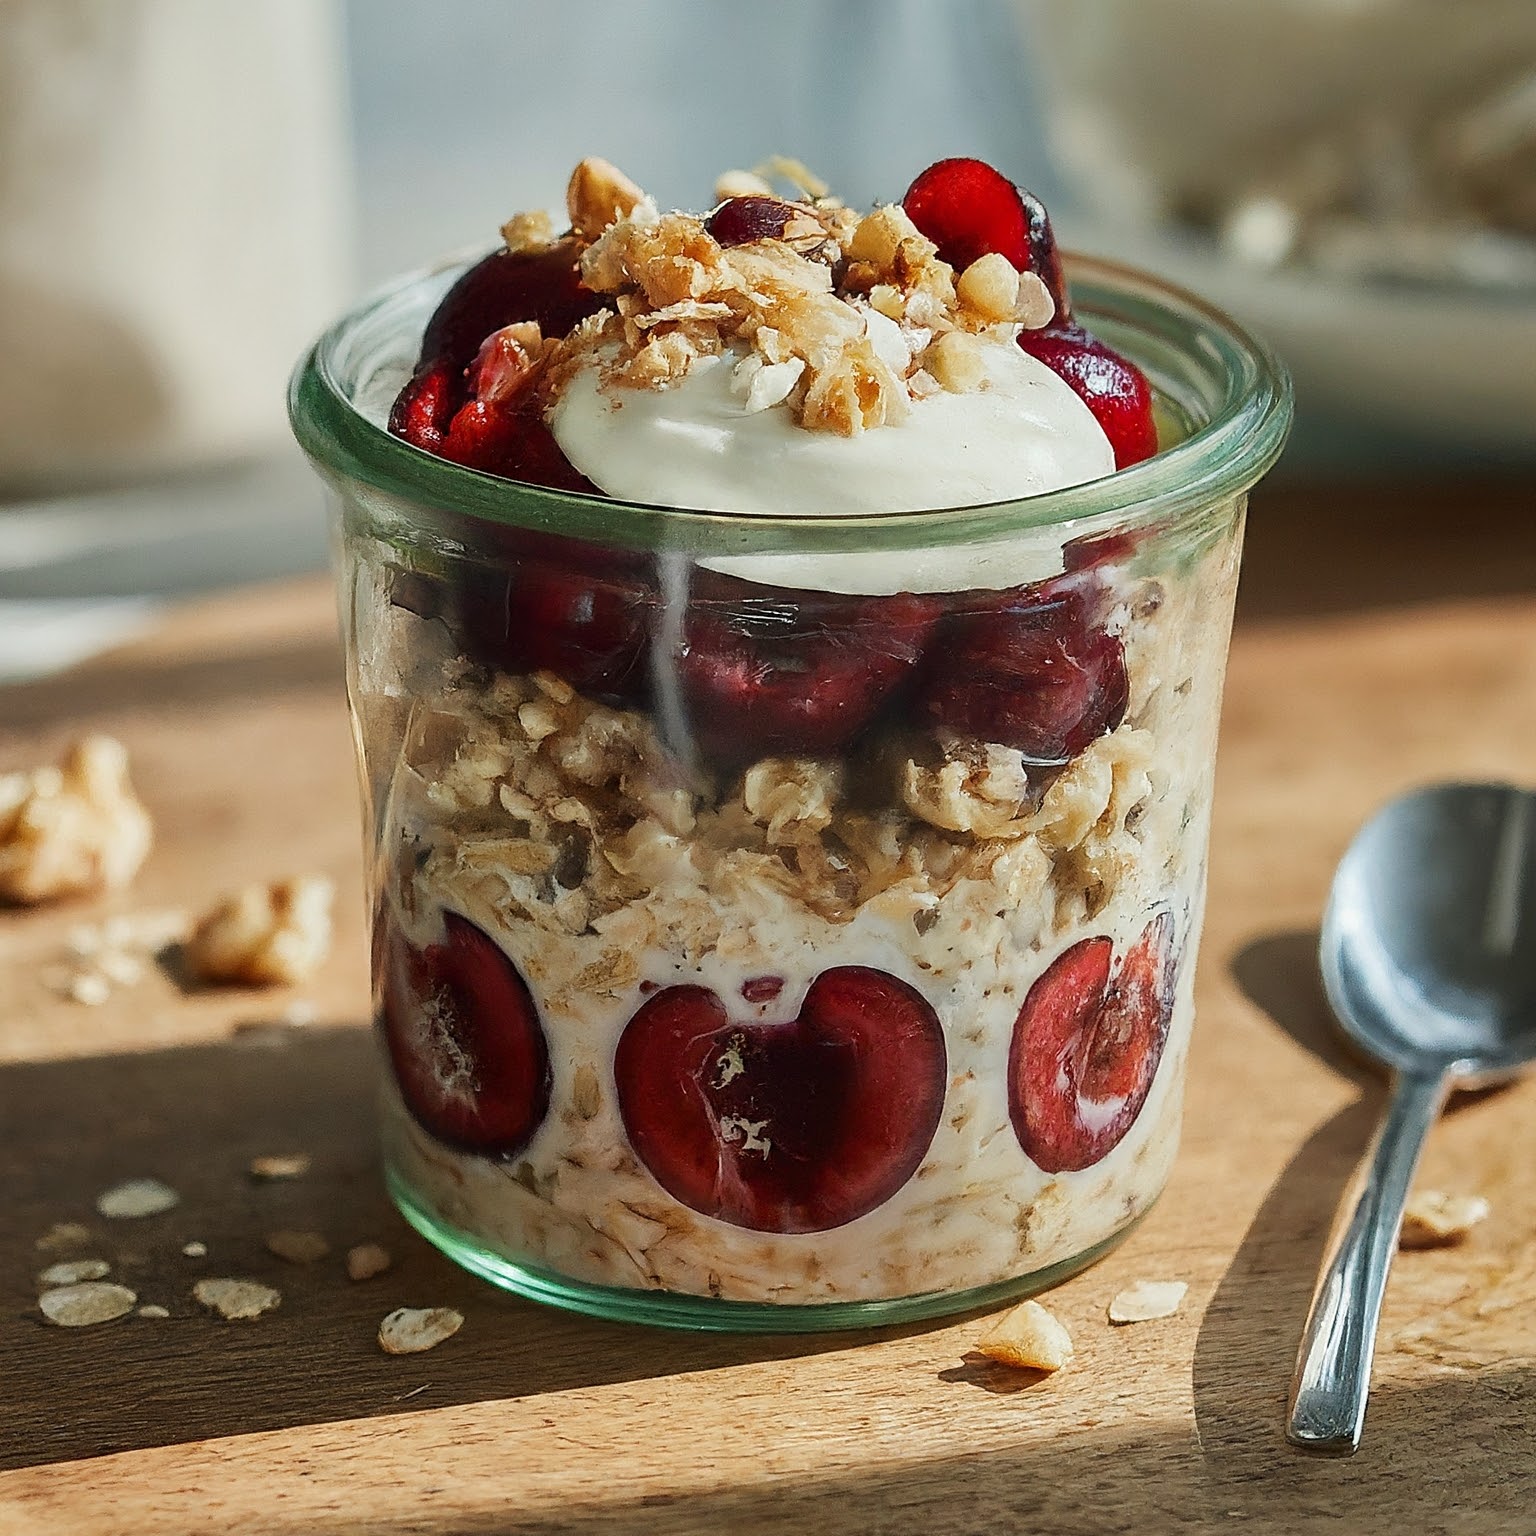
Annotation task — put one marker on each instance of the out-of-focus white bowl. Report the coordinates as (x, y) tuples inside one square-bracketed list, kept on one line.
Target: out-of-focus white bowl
[(1455, 364)]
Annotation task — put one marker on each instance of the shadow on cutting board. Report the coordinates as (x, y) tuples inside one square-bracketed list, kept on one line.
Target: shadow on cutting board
[(195, 1118)]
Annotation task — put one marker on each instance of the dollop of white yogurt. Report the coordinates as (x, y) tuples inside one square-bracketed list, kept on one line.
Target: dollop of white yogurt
[(710, 443), (701, 444)]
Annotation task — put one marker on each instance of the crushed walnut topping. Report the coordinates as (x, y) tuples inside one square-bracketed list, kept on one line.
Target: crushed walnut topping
[(843, 319), (74, 829), (265, 935)]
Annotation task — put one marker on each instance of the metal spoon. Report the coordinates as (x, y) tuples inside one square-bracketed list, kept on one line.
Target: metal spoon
[(1429, 959)]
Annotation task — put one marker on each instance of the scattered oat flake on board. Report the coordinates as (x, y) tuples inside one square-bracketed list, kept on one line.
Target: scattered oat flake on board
[(89, 989), (195, 1249), (62, 1234), (236, 1300), (411, 1330), (298, 1247), (81, 1306), (154, 1309), (1435, 1219), (138, 1197), (1146, 1300), (289, 1165), (73, 1271), (1029, 1336), (367, 1260)]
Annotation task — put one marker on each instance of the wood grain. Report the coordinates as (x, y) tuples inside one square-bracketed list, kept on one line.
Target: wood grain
[(534, 1421)]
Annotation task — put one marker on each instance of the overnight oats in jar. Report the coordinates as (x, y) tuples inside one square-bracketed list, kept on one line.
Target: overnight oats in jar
[(785, 647)]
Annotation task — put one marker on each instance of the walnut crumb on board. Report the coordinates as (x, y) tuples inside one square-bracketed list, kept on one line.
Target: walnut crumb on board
[(1029, 1337), (1434, 1219), (73, 829), (264, 935)]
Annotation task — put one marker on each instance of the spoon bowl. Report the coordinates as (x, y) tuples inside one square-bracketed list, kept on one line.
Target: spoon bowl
[(1428, 956), (1429, 941)]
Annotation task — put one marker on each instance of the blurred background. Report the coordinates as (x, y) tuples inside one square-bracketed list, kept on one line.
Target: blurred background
[(191, 189)]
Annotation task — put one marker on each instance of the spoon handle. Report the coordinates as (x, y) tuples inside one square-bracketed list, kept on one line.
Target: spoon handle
[(1333, 1366)]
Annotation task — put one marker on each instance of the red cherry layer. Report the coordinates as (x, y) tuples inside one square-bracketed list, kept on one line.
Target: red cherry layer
[(797, 1126), (464, 1038), (1032, 669), (968, 210), (767, 672), (1086, 1047)]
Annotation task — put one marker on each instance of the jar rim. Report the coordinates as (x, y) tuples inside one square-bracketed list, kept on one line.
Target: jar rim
[(1221, 457)]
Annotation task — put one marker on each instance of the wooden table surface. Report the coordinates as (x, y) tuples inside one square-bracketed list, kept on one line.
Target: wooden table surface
[(1385, 638)]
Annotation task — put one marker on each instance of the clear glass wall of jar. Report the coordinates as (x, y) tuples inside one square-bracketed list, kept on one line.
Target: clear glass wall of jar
[(787, 923)]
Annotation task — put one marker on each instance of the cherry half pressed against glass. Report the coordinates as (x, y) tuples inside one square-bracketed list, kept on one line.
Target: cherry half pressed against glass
[(798, 1125), (1087, 1045)]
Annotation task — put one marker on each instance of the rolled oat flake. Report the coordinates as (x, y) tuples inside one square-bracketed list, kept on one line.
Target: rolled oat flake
[(138, 1197), (411, 1330), (90, 1302)]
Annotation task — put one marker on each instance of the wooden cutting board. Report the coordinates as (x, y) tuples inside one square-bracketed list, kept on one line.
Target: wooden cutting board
[(1386, 639)]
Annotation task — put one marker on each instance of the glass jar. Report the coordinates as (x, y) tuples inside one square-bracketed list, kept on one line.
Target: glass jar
[(787, 923)]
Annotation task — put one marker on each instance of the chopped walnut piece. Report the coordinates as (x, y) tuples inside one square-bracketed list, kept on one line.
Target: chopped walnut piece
[(888, 242), (73, 829), (989, 288), (1434, 1219), (532, 231), (599, 194), (956, 361), (859, 392), (410, 1330), (265, 935), (1146, 1300), (1029, 1337), (367, 1260)]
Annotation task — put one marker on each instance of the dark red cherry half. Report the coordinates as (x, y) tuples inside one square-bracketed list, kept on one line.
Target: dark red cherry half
[(796, 1126), (502, 289), (1031, 668), (768, 672), (439, 409), (741, 220), (1111, 386), (464, 1038), (1086, 1047), (970, 210)]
